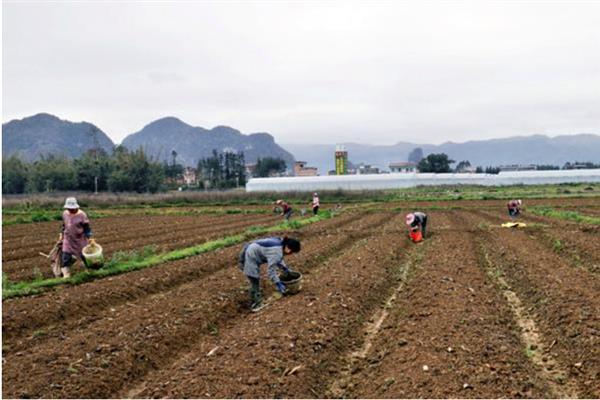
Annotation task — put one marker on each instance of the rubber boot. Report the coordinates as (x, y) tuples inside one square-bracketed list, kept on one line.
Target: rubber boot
[(56, 269), (66, 271)]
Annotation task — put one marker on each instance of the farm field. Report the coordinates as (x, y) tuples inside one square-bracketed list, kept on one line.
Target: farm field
[(474, 311)]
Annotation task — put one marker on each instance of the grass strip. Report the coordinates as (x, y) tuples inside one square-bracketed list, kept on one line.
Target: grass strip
[(567, 215), (28, 217), (120, 264)]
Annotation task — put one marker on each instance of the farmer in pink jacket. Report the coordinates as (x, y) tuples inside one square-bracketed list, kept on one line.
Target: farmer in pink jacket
[(75, 233)]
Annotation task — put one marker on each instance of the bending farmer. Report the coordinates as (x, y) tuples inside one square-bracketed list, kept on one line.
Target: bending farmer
[(268, 251), (417, 221), (286, 210), (74, 234), (514, 208)]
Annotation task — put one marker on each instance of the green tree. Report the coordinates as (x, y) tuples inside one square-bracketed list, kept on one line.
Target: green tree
[(93, 168), (52, 173), (220, 171), (438, 163), (462, 166), (135, 172), (268, 165), (14, 175)]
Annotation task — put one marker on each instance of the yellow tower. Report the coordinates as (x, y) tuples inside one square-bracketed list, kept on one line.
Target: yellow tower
[(341, 160)]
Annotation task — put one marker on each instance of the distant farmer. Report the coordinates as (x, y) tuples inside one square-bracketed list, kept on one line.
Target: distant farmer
[(417, 221), (514, 208), (74, 234), (285, 209), (268, 251), (315, 203)]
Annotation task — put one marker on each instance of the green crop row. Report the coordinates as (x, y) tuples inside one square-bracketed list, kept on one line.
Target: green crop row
[(566, 215), (126, 262)]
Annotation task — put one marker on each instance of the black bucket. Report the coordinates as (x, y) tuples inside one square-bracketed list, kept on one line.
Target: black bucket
[(292, 281)]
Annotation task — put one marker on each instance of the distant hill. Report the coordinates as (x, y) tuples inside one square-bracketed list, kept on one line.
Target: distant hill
[(161, 137), (535, 149), (44, 134)]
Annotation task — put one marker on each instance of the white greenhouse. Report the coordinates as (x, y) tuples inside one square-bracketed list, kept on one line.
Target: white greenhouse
[(396, 181)]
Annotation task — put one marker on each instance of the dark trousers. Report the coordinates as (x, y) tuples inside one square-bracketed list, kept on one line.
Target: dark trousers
[(69, 259), (424, 226), (315, 210), (254, 290)]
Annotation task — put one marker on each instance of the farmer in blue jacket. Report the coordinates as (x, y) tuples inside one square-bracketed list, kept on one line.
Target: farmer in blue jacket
[(268, 251)]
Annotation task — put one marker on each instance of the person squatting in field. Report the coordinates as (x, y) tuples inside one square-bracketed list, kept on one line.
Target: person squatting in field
[(286, 210), (514, 208), (268, 251), (417, 221), (75, 233), (315, 203)]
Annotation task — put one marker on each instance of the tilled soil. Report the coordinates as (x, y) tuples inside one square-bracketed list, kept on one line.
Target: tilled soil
[(448, 335), (377, 317), (124, 341), (561, 299), (21, 260)]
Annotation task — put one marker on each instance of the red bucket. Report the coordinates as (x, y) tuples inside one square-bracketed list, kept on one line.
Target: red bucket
[(416, 236)]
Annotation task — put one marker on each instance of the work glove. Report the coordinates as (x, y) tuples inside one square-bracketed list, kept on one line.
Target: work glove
[(281, 287), (285, 270), (60, 237)]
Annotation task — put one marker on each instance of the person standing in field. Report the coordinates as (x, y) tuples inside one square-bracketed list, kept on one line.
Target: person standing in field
[(286, 210), (417, 221), (75, 233), (315, 203), (514, 208), (268, 251)]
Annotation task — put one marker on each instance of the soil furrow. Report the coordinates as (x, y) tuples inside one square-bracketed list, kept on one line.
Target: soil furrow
[(22, 316), (562, 300), (449, 334), (290, 348), (161, 325)]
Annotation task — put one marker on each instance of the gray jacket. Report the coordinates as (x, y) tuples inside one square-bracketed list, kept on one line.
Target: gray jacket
[(263, 251)]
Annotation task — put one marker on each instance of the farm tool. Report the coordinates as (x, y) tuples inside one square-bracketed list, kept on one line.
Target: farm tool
[(55, 257)]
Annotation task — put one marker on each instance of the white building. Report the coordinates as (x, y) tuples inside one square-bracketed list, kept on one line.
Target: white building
[(403, 167), (397, 181)]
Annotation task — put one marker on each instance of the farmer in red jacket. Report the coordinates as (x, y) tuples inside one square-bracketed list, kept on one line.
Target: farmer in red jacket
[(514, 208), (286, 210)]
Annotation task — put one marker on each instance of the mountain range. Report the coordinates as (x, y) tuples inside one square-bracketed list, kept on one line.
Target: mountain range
[(534, 149), (43, 134), (161, 137)]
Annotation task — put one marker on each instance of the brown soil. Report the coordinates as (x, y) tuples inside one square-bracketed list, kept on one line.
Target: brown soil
[(123, 339), (21, 260), (561, 299), (468, 303)]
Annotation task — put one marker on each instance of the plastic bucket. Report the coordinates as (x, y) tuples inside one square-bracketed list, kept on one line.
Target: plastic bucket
[(416, 236), (292, 281), (93, 256)]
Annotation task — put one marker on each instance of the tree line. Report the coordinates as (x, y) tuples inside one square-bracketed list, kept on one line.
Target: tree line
[(441, 163), (121, 171)]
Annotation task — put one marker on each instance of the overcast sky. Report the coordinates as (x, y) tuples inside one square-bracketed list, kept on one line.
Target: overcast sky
[(309, 72)]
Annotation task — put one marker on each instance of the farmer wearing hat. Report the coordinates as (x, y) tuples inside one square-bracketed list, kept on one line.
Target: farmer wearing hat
[(417, 221), (285, 208), (514, 208), (74, 234), (315, 203), (268, 251)]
